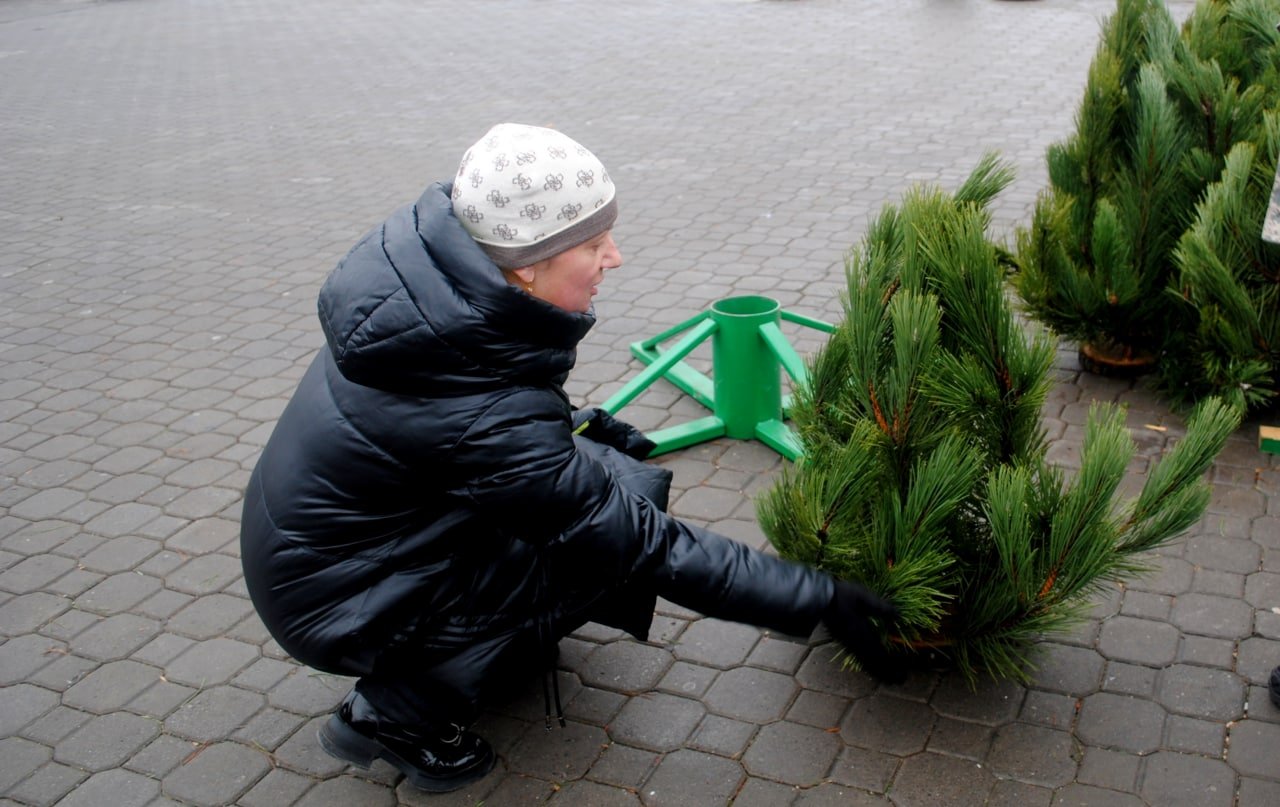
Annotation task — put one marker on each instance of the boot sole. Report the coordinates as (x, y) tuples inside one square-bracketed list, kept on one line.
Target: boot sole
[(343, 742)]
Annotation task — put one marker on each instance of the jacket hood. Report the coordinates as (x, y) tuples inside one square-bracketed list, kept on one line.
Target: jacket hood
[(417, 307)]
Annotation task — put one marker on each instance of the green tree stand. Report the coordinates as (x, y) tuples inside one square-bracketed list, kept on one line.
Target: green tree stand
[(745, 391)]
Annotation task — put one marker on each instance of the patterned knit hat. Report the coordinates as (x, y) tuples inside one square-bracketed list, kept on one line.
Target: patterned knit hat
[(525, 193)]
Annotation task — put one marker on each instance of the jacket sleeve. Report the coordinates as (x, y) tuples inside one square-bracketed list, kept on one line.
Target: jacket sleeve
[(523, 469)]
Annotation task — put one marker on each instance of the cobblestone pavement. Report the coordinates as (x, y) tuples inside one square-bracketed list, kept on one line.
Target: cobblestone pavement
[(179, 176)]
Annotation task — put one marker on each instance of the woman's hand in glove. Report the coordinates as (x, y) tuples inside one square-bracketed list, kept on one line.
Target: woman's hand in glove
[(848, 618)]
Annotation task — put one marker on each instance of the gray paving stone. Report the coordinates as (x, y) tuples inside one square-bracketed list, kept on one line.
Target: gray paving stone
[(27, 612), (690, 680), (750, 694), (623, 766), (722, 736), (520, 790), (276, 788), (780, 655), (961, 739), (572, 753), (1122, 722), (218, 775), (120, 554), (821, 673), (209, 617), (1077, 795), (118, 592), (833, 795), (164, 604), (1130, 679), (1192, 736), (1182, 779), (1066, 669), (106, 741), (1008, 793), (1048, 709), (992, 703), (1140, 641), (19, 758), (817, 709), (764, 793), (23, 655), (625, 667), (932, 779), (864, 769), (48, 785), (63, 672), (716, 643), (38, 538), (268, 728), (1146, 605), (115, 637), (34, 573), (211, 662), (1206, 651), (160, 699), (1210, 615), (658, 722), (214, 713), (55, 724), (593, 794), (1252, 749), (204, 575), (116, 787), (347, 790), (594, 706), (1110, 769), (1202, 692), (791, 753), (302, 753), (692, 777), (162, 755), (121, 521), (163, 649), (1033, 754), (1257, 792), (1223, 554), (110, 686), (1262, 589)]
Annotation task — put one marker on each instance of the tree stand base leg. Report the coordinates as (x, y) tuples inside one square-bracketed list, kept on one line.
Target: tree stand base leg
[(748, 353)]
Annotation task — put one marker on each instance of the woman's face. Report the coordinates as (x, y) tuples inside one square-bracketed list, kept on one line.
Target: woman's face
[(570, 279)]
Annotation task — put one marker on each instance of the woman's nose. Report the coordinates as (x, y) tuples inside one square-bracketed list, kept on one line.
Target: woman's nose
[(613, 256)]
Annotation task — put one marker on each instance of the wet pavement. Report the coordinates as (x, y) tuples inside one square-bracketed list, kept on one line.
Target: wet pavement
[(176, 179)]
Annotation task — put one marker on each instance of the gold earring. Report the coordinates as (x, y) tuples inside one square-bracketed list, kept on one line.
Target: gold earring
[(528, 287)]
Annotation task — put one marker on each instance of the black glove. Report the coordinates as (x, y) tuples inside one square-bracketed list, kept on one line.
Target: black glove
[(602, 427), (847, 619)]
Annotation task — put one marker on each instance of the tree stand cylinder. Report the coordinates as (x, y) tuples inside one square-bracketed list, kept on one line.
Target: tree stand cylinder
[(745, 372)]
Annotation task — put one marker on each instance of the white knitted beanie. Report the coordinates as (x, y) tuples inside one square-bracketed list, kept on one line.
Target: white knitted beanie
[(525, 193)]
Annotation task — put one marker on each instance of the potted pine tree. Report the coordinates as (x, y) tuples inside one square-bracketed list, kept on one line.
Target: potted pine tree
[(1228, 281), (1161, 110), (924, 473)]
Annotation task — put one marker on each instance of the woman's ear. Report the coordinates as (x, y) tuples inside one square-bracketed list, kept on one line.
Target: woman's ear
[(524, 275)]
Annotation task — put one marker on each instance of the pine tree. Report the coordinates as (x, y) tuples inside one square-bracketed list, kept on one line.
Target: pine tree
[(1229, 282), (1095, 257), (1162, 110), (924, 473)]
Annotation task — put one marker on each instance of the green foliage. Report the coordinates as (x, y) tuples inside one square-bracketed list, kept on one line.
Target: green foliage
[(924, 473), (1162, 110), (1230, 279)]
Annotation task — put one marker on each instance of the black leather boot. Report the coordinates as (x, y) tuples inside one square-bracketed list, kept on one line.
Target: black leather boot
[(436, 760)]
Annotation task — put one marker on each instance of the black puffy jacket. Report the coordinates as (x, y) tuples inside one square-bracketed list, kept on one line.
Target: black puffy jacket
[(424, 483)]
